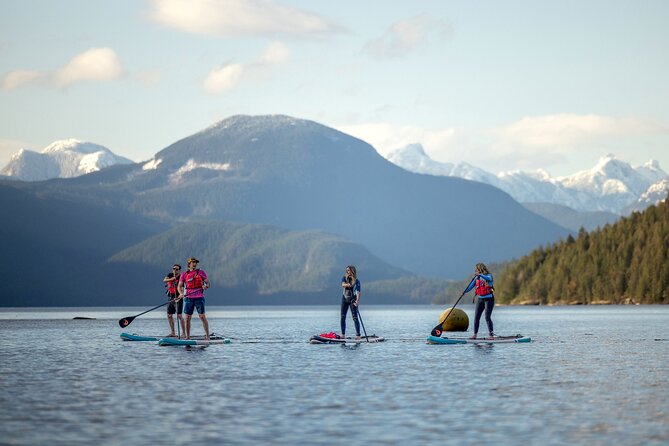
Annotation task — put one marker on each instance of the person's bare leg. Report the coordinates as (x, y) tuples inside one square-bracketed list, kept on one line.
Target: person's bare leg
[(205, 325)]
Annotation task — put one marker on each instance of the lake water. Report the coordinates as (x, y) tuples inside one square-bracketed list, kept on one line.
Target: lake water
[(592, 375)]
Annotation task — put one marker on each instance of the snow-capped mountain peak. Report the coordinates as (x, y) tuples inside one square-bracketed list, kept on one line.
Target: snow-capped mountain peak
[(61, 159), (611, 185)]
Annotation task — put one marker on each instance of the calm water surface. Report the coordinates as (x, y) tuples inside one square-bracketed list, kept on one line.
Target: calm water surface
[(593, 375)]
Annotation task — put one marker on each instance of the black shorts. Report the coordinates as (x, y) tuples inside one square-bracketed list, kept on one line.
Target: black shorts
[(175, 307)]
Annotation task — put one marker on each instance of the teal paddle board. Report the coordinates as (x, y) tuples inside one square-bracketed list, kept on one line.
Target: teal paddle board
[(177, 342), (137, 337), (496, 340)]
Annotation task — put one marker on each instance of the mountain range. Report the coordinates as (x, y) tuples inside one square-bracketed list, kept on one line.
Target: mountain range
[(291, 175), (612, 186), (61, 159)]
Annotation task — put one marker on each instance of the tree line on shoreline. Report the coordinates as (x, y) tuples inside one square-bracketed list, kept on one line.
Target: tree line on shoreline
[(622, 263)]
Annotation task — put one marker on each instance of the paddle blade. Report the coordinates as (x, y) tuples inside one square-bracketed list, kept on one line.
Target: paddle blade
[(436, 331), (125, 321)]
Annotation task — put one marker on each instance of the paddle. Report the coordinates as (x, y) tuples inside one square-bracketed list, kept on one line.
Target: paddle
[(362, 323), (127, 320), (436, 331)]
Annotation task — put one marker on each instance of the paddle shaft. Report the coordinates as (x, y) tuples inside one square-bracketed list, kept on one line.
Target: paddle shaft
[(441, 324), (362, 323), (128, 320)]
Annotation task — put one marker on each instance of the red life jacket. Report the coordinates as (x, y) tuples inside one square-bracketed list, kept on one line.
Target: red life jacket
[(483, 288), (172, 285), (331, 335), (193, 280)]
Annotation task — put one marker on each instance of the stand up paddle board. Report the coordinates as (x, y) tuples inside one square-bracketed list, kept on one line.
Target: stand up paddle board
[(137, 337), (496, 340), (181, 342), (317, 339)]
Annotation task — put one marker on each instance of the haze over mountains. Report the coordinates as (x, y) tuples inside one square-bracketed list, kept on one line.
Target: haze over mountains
[(298, 175), (612, 185)]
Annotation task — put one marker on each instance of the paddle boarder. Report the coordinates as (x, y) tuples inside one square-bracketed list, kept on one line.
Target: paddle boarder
[(350, 299), (191, 288), (171, 281), (485, 292)]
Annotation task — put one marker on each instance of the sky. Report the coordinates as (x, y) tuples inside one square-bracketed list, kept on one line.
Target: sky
[(505, 85)]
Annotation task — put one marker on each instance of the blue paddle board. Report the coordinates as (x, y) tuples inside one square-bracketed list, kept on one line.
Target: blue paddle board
[(495, 340), (177, 342)]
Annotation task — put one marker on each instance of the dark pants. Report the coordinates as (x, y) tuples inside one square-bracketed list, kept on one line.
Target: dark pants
[(488, 303), (354, 312), (173, 307)]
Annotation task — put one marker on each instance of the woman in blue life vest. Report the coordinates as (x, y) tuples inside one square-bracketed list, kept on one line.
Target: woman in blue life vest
[(483, 286), (350, 298)]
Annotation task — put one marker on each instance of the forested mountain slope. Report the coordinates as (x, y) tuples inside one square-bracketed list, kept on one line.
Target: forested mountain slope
[(627, 262)]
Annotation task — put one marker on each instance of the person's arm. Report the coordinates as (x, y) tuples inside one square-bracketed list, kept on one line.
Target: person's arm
[(180, 289), (344, 283), (487, 278), (471, 284), (358, 292), (169, 279), (205, 281)]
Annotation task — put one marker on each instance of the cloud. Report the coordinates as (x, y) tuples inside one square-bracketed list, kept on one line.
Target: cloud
[(229, 75), (223, 78), (21, 78), (568, 130), (238, 17), (385, 137), (95, 64), (405, 36)]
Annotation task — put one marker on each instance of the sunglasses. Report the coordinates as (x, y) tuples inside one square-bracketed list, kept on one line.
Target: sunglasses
[(176, 269)]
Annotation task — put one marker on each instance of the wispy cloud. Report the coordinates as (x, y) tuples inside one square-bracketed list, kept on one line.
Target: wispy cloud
[(562, 130), (405, 36), (223, 78), (95, 64), (238, 17), (21, 78), (229, 75), (386, 137)]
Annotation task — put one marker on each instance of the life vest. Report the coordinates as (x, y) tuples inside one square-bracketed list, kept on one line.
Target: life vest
[(482, 287), (172, 285), (193, 280), (349, 292), (331, 335)]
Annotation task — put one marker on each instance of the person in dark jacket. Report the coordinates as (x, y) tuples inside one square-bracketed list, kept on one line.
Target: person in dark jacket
[(350, 299)]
